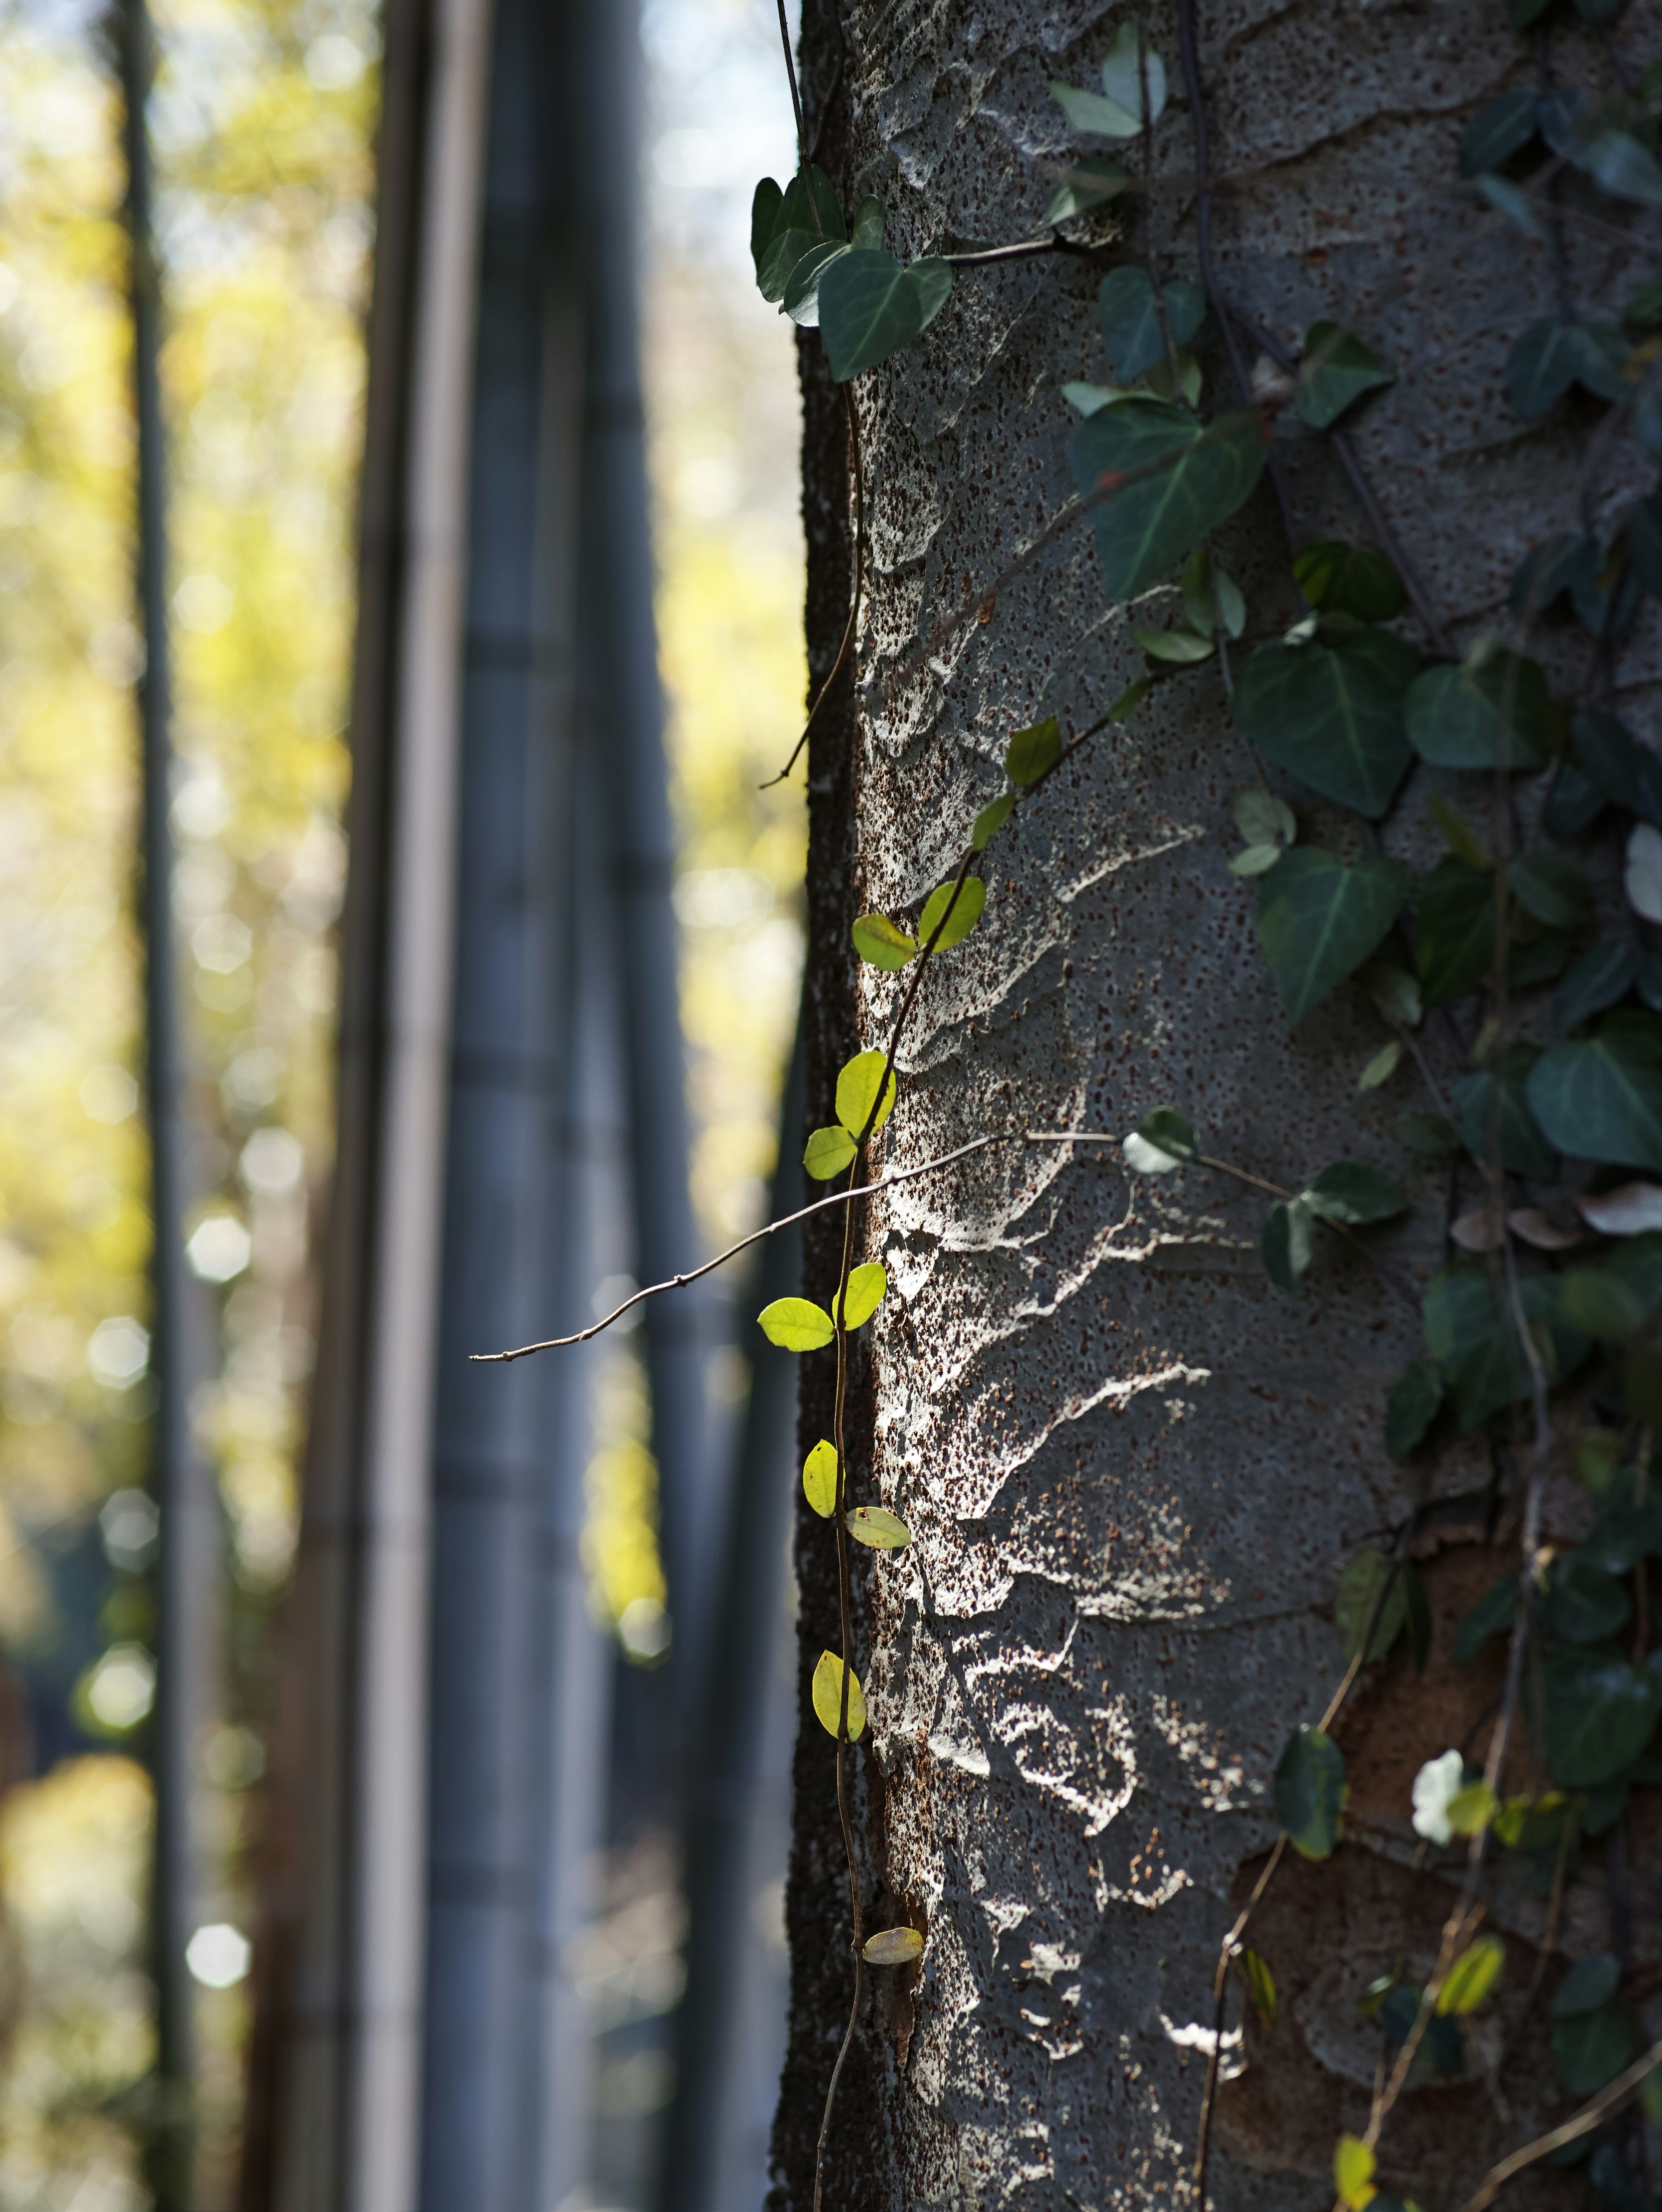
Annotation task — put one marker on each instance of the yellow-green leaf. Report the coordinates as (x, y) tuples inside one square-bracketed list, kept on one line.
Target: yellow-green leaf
[(796, 1324), (894, 1947), (1179, 645), (1472, 1808), (965, 912), (829, 1151), (819, 1479), (864, 1295), (1032, 751), (828, 1696), (1352, 2172), (1254, 1970), (876, 939), (991, 817), (1381, 1068), (1472, 1976), (883, 1531), (857, 1088)]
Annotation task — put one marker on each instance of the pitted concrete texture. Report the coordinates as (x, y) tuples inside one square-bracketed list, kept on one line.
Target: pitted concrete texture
[(1133, 1469)]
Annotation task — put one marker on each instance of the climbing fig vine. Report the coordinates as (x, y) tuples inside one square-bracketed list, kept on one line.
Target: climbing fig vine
[(1514, 983)]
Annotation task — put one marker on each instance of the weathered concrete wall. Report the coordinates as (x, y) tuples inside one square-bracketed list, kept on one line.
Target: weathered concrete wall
[(1133, 1469)]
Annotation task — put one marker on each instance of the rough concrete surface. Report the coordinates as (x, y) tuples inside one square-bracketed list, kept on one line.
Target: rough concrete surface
[(1133, 1469)]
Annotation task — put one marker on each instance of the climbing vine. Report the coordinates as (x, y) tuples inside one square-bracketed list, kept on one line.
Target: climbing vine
[(1516, 981)]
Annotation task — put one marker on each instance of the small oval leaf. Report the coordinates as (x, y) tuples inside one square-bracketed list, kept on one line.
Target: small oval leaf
[(828, 1698), (829, 1151), (819, 1479), (856, 1092), (865, 1294), (876, 939), (883, 1531), (1472, 1976), (894, 1947), (1033, 751), (991, 817), (796, 1324), (972, 897)]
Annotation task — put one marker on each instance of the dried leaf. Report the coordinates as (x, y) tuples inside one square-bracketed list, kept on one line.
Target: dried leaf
[(1479, 1230), (893, 1946), (1629, 1211), (1529, 1223)]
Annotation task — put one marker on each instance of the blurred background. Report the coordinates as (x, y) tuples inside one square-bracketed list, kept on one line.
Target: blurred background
[(466, 1691)]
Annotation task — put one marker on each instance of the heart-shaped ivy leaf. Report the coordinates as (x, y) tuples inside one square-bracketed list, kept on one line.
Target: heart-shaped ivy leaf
[(1129, 313), (1157, 481), (1337, 370), (1318, 920), (1498, 130), (1332, 713), (870, 306), (1601, 1098), (1475, 717), (1552, 355), (1310, 1791)]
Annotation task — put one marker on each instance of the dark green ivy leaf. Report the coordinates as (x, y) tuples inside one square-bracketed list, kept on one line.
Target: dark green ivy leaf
[(1591, 2050), (1620, 165), (1318, 920), (1432, 1136), (1288, 1243), (1354, 1194), (1597, 1715), (1349, 580), (1585, 1604), (1572, 802), (1597, 1300), (1551, 887), (1466, 717), (1629, 1526), (794, 231), (1032, 751), (1086, 182), (1471, 1332), (1371, 1593), (1644, 532), (1412, 1407), (870, 306), (1332, 713), (1454, 906), (801, 299), (1159, 483), (1551, 356), (1130, 320), (1499, 130), (1310, 1792), (1337, 369), (1590, 1983), (1492, 1615), (1601, 1098), (1495, 1103), (1628, 774), (765, 209), (1168, 1131)]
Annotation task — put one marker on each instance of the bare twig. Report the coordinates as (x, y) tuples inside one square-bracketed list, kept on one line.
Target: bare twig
[(790, 1220), (1579, 2124)]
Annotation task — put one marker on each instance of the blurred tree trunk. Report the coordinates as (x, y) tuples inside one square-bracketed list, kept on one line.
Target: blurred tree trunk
[(1132, 1468)]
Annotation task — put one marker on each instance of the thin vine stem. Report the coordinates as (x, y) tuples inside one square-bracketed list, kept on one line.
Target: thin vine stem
[(1613, 2095), (885, 1181)]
